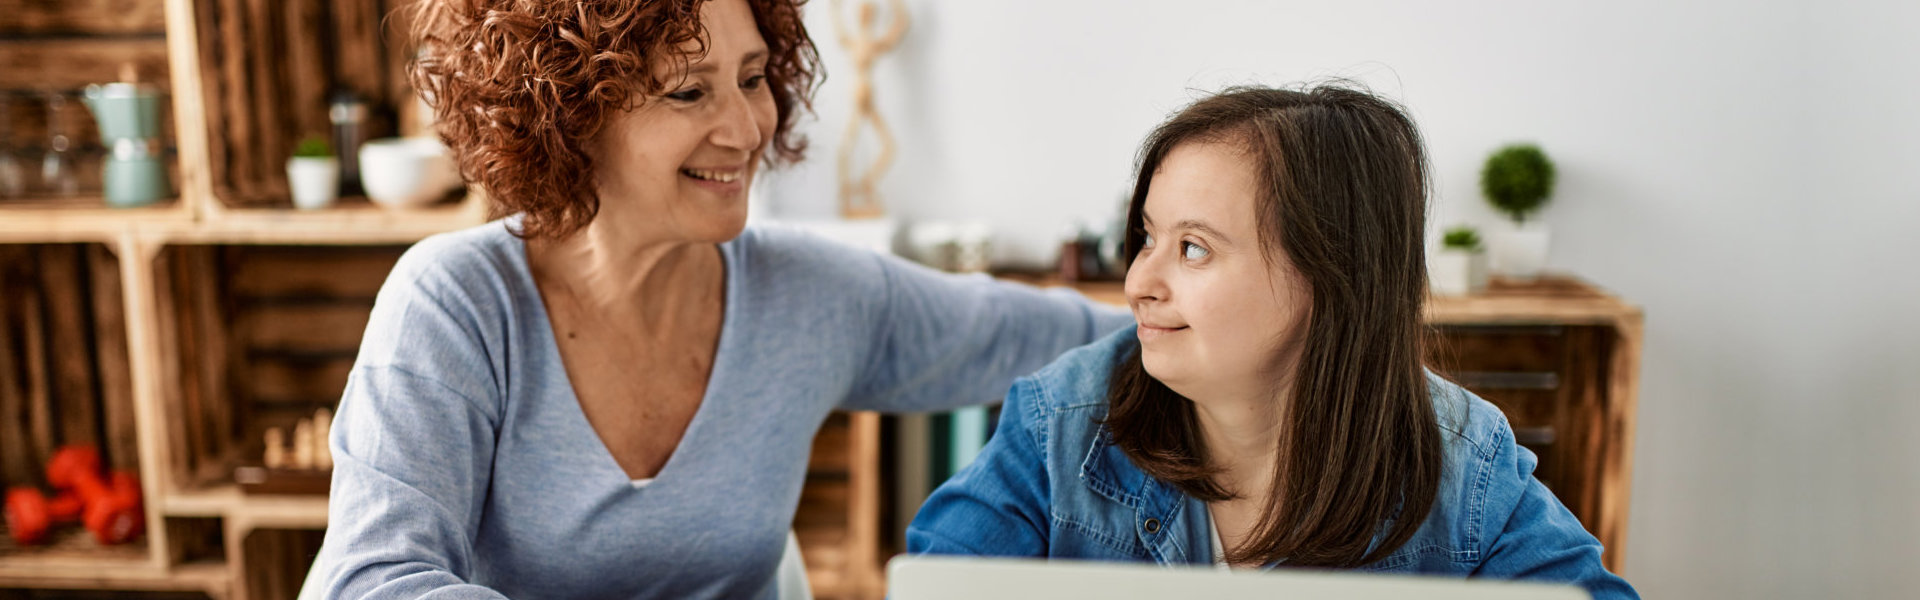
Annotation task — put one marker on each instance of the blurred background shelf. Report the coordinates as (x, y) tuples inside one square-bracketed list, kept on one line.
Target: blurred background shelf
[(208, 580), (70, 551), (257, 511)]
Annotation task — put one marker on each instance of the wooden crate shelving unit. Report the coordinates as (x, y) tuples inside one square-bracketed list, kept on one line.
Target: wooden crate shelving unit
[(212, 288), (58, 48)]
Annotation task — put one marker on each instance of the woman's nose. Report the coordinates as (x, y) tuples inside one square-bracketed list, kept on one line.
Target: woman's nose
[(739, 125), (1144, 281)]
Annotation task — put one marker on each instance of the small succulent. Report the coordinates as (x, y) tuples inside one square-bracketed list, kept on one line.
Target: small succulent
[(1517, 180), (1461, 238), (313, 147)]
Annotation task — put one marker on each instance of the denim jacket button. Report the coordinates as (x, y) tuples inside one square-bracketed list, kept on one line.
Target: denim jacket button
[(1153, 526)]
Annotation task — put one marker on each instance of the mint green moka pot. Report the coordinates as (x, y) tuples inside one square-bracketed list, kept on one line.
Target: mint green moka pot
[(129, 119)]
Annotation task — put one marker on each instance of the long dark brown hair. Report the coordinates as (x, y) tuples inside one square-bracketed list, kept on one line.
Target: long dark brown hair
[(1343, 187)]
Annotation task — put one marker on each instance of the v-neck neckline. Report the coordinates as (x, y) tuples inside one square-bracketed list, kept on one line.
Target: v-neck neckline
[(604, 457)]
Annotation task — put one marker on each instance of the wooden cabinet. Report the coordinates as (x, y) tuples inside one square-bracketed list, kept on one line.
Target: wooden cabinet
[(1561, 358)]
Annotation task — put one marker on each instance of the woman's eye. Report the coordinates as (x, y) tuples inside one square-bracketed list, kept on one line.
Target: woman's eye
[(1146, 241), (754, 82), (686, 95), (1194, 251)]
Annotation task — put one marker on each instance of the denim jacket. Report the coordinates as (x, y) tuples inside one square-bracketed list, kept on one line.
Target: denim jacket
[(1052, 483)]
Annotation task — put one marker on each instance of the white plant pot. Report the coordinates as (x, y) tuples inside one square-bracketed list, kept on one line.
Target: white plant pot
[(314, 181), (1457, 272), (1520, 254)]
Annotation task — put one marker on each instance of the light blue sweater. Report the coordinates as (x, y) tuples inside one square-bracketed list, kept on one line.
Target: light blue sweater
[(464, 467)]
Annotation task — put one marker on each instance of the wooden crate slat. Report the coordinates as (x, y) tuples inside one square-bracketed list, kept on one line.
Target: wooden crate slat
[(17, 464), (71, 64), (40, 410), (212, 336), (115, 367), (317, 327), (273, 379), (106, 17), (359, 61), (345, 273), (214, 109), (306, 68), (236, 100), (264, 71), (172, 396), (70, 345)]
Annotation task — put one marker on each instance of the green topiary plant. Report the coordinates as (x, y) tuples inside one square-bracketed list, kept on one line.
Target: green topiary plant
[(1518, 179), (313, 147), (1461, 238)]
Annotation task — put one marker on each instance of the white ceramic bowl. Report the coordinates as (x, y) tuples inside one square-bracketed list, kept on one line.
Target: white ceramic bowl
[(406, 172)]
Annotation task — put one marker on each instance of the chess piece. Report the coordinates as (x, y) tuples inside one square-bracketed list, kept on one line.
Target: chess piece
[(276, 457), (303, 445), (858, 197)]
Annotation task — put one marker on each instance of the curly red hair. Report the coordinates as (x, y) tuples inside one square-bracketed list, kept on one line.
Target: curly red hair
[(519, 87)]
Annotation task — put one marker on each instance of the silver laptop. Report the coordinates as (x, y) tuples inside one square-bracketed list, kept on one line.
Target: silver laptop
[(960, 578)]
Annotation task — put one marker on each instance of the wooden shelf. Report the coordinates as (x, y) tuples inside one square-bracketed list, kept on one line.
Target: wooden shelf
[(256, 511), (71, 552), (86, 219), (1553, 299), (211, 578), (353, 221)]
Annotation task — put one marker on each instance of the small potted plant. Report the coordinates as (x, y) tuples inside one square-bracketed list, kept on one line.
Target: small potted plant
[(1518, 180), (1460, 268), (313, 174)]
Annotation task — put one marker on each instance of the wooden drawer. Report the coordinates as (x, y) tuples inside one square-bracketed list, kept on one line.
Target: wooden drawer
[(1549, 381)]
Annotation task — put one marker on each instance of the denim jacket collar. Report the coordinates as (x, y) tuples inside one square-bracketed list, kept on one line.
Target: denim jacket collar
[(1172, 526)]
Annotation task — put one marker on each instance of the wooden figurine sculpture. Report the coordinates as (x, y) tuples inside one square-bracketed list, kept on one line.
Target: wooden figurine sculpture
[(858, 197)]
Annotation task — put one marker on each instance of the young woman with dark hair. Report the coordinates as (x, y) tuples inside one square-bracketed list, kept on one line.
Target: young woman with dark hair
[(1271, 407)]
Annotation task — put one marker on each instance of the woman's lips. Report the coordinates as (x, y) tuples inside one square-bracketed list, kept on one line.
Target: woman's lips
[(1151, 332), (720, 182)]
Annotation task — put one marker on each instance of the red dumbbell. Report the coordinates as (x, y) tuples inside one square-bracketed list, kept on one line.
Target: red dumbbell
[(30, 514), (113, 513)]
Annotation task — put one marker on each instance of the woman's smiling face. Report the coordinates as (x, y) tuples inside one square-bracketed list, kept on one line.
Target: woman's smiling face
[(1219, 313), (685, 158)]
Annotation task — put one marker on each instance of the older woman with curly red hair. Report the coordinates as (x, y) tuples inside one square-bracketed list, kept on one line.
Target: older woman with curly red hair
[(612, 390)]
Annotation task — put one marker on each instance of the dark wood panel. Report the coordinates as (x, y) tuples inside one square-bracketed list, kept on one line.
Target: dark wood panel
[(17, 453), (70, 344), (306, 327), (1525, 408), (278, 560), (72, 64), (1497, 349), (831, 448), (302, 272), (197, 315), (103, 17), (1583, 451), (275, 379), (268, 69), (115, 367)]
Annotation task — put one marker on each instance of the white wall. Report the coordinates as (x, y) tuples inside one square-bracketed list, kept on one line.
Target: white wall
[(1743, 170)]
